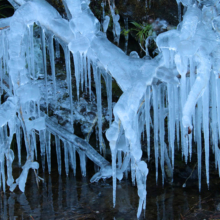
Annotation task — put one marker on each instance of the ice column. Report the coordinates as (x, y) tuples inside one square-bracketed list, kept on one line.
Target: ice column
[(42, 137), (77, 71), (155, 105), (147, 118), (161, 129), (52, 63), (109, 94), (48, 150), (57, 47), (18, 138), (97, 77), (45, 64), (205, 103), (199, 141), (66, 157), (58, 152), (171, 119), (31, 53), (69, 80), (89, 75)]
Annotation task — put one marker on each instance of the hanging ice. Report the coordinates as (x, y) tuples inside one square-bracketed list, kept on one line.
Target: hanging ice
[(192, 49)]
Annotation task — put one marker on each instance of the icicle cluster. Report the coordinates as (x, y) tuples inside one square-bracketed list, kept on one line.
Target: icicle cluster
[(170, 86)]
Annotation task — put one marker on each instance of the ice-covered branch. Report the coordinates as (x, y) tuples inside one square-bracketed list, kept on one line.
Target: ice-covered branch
[(191, 50)]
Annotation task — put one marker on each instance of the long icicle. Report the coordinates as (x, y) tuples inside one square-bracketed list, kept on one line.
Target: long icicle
[(205, 107), (45, 64), (155, 105), (109, 94), (161, 130), (69, 81), (97, 77), (77, 71), (52, 63), (147, 118)]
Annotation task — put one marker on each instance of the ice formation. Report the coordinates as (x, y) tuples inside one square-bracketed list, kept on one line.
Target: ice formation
[(180, 83)]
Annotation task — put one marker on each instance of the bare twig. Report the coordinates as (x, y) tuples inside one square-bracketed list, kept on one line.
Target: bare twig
[(93, 124), (191, 173), (1, 28)]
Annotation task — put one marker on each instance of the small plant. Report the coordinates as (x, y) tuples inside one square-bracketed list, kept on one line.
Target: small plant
[(125, 32), (143, 31)]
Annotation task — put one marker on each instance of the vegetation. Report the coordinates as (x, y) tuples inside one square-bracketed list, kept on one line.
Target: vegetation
[(4, 9), (142, 31)]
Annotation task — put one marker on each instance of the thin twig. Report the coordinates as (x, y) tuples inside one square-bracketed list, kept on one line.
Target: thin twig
[(93, 124), (191, 173), (1, 28), (142, 48)]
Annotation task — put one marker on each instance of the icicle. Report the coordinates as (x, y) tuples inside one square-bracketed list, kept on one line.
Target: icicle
[(38, 108), (109, 94), (177, 114), (85, 71), (81, 70), (119, 159), (205, 103), (155, 105), (1, 77), (9, 159), (147, 118), (33, 144), (161, 130), (77, 71), (52, 63), (199, 144), (82, 157), (97, 77), (113, 151), (57, 47), (58, 152), (45, 64), (31, 45), (72, 153), (69, 81), (89, 75), (103, 10), (189, 133), (42, 137), (18, 139), (171, 119), (66, 157), (5, 53), (2, 167), (192, 75), (218, 103), (214, 122), (184, 138), (48, 150)]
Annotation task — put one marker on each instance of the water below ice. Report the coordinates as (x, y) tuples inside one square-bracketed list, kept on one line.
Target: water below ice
[(74, 197)]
